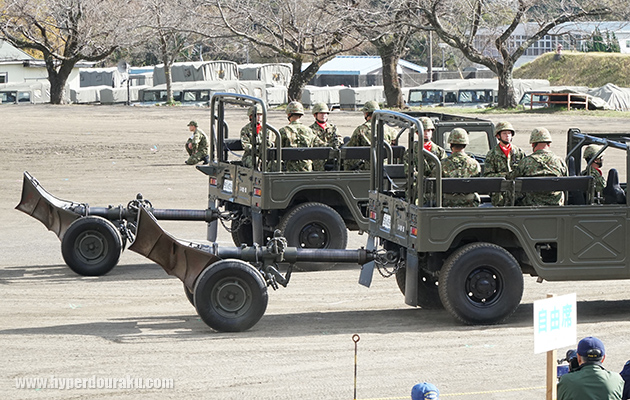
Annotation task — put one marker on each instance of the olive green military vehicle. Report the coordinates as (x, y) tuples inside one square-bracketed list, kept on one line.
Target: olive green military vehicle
[(471, 260), (312, 209)]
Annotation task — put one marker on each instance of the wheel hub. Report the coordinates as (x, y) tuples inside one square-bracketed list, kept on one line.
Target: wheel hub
[(91, 247), (231, 297), (313, 236), (482, 285)]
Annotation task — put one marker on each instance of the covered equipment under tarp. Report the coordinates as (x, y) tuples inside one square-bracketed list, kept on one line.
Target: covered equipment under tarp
[(34, 92), (197, 71), (355, 98), (616, 97), (315, 94), (111, 77), (275, 74)]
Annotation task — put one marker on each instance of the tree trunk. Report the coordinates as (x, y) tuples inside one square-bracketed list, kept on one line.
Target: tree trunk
[(390, 54), (506, 94), (168, 63), (300, 78), (58, 78)]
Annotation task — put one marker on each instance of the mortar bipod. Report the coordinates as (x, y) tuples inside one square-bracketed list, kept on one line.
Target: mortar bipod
[(228, 285)]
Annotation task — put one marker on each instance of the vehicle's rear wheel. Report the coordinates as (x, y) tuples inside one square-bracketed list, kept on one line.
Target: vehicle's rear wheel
[(481, 283), (428, 292), (91, 246), (230, 296), (314, 226)]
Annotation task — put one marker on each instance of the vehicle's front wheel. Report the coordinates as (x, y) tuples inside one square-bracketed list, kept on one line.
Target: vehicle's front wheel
[(314, 226), (91, 246), (230, 296), (481, 283)]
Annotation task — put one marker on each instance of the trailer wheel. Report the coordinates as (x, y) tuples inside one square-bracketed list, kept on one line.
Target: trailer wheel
[(91, 246), (189, 295), (314, 226), (230, 296), (481, 283), (428, 292)]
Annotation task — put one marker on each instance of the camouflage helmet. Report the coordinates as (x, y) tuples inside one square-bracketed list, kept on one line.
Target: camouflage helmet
[(540, 135), (427, 123), (255, 109), (193, 123), (503, 126), (458, 136), (370, 106), (295, 107), (591, 150), (320, 108)]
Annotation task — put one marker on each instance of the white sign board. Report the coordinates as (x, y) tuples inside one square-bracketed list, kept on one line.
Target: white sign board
[(555, 323)]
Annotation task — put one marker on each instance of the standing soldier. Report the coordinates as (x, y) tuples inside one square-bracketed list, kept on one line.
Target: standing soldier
[(197, 145), (595, 169), (502, 159), (542, 162), (460, 165), (297, 135), (362, 134), (254, 111), (326, 131)]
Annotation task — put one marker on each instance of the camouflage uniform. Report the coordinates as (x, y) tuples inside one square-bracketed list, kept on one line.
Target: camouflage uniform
[(540, 163), (246, 141), (361, 137), (428, 164), (589, 152), (200, 149), (497, 164), (460, 165), (328, 134), (298, 135)]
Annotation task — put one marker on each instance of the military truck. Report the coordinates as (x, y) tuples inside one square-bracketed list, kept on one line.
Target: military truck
[(312, 209), (471, 260)]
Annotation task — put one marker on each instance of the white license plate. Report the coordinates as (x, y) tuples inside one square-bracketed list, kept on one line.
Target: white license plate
[(387, 222), (227, 185)]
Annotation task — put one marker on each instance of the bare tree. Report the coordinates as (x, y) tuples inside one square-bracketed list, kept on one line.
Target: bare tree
[(298, 30), (171, 24), (459, 23), (387, 24), (66, 32)]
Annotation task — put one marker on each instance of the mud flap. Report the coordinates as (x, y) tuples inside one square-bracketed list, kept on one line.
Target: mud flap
[(211, 233), (367, 269), (411, 278), (177, 257), (44, 207)]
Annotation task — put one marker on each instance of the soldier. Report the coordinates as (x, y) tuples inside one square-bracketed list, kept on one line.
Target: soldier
[(197, 145), (361, 136), (595, 169), (246, 136), (428, 144), (459, 165), (326, 131), (297, 135), (502, 159), (542, 162)]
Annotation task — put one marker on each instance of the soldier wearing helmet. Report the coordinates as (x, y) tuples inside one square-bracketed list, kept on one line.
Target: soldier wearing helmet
[(197, 145), (362, 136), (295, 134), (326, 131), (459, 165), (252, 130), (502, 159), (542, 162), (429, 145), (594, 166)]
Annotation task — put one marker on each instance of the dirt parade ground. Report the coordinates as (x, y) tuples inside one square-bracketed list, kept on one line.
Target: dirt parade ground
[(135, 329)]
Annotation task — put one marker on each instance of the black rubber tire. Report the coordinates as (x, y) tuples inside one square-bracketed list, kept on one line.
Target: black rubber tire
[(481, 284), (428, 291), (91, 246), (189, 295), (242, 234), (314, 226), (230, 296)]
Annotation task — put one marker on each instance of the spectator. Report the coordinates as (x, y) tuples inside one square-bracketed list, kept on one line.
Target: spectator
[(590, 380), (425, 391)]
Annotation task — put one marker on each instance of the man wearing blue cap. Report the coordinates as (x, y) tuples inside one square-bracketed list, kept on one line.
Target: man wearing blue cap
[(590, 380), (425, 391)]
